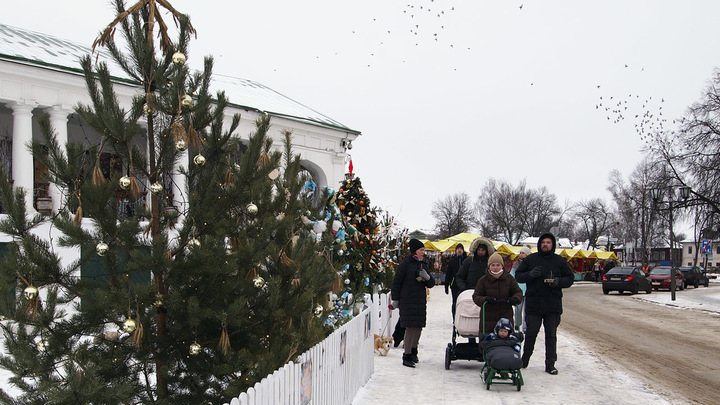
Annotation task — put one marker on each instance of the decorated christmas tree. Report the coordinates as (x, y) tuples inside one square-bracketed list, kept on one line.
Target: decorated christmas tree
[(186, 303), (370, 240)]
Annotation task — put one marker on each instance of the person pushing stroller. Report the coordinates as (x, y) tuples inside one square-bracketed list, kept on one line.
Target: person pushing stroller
[(498, 291)]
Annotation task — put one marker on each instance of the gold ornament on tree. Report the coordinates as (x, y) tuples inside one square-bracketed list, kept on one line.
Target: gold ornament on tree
[(318, 310), (129, 326), (102, 249), (199, 160), (178, 58), (30, 292), (259, 282), (181, 145), (274, 173), (186, 100), (156, 188), (195, 348), (251, 209), (125, 182), (31, 295)]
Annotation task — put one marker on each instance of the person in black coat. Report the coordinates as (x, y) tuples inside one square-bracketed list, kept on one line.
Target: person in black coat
[(474, 266), (545, 274), (453, 267), (409, 295)]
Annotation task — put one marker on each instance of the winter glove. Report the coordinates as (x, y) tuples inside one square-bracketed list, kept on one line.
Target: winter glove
[(423, 275), (535, 272), (553, 282), (513, 301), (490, 299), (395, 304)]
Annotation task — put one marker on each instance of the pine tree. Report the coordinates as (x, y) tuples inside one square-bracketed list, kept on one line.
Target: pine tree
[(190, 306)]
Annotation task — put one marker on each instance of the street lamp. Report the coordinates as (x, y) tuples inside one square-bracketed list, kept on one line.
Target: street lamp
[(656, 194)]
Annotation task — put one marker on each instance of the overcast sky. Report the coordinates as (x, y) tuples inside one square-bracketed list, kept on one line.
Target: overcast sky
[(450, 93)]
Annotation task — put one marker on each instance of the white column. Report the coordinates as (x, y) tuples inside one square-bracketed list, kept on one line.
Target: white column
[(23, 170), (59, 121)]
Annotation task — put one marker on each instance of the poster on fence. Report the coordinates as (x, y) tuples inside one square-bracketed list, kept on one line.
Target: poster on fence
[(367, 326), (306, 383), (343, 346)]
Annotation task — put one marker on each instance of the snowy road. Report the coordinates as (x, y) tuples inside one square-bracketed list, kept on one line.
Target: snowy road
[(584, 378), (670, 346)]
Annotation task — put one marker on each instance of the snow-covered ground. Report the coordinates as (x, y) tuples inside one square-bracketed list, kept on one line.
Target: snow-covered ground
[(584, 377)]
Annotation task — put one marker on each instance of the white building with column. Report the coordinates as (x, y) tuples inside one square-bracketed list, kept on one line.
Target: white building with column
[(40, 74)]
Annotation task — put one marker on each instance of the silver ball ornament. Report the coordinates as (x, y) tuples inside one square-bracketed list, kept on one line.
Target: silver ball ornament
[(199, 160), (347, 281), (274, 174), (102, 249), (318, 310), (252, 209), (30, 292), (156, 188), (341, 252), (124, 182), (129, 326)]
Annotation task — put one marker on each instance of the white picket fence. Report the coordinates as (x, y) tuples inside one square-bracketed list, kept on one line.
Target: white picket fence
[(332, 371)]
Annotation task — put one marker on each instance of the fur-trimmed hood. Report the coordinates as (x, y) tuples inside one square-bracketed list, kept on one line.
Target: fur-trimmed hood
[(485, 241)]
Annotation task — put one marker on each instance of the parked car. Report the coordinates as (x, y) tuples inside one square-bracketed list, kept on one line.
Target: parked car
[(623, 279), (660, 278), (694, 276)]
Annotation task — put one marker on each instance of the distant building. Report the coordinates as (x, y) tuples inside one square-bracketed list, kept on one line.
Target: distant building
[(692, 254), (40, 74)]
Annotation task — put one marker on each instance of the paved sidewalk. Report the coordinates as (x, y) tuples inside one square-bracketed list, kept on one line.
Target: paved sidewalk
[(583, 379)]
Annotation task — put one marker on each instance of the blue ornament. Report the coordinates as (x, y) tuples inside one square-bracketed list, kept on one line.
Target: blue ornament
[(345, 294), (367, 281), (310, 185)]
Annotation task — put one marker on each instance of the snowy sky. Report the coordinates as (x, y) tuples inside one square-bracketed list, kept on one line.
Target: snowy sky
[(450, 93)]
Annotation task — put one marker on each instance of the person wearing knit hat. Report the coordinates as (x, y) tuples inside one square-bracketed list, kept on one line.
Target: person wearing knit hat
[(496, 292), (525, 251), (409, 296), (414, 245)]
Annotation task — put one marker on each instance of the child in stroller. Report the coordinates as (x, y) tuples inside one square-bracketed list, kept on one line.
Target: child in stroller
[(502, 355)]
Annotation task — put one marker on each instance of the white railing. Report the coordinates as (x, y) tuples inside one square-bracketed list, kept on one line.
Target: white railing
[(332, 371)]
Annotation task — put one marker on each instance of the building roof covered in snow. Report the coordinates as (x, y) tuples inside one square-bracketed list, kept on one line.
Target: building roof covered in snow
[(32, 48)]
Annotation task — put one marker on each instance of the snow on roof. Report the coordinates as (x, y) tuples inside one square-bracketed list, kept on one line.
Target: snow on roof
[(23, 46)]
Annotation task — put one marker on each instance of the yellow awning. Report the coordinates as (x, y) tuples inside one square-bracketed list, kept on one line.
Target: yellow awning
[(606, 255)]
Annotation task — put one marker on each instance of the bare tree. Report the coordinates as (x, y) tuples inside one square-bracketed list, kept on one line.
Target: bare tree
[(693, 154), (595, 218), (511, 214), (453, 215), (541, 213)]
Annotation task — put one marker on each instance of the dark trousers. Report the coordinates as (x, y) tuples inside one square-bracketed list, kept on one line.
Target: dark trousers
[(412, 337), (550, 322)]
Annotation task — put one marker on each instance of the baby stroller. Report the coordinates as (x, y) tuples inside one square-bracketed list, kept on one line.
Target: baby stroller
[(467, 325), (502, 357)]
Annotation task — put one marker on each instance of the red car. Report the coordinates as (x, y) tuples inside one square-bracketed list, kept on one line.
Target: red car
[(660, 278)]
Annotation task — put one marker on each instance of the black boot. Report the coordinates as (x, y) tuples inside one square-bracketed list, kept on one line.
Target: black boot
[(407, 360), (414, 356)]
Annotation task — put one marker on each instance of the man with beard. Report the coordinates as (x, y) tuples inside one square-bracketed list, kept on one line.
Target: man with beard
[(545, 274)]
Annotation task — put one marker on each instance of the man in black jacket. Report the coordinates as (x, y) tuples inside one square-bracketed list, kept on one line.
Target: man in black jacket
[(453, 267), (545, 274)]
